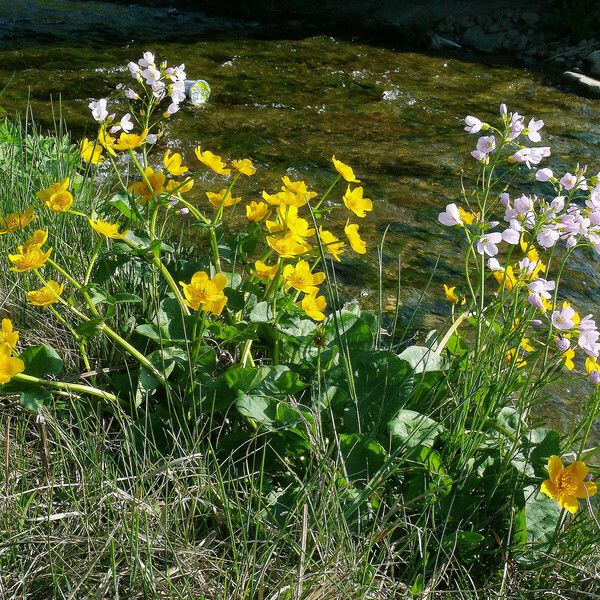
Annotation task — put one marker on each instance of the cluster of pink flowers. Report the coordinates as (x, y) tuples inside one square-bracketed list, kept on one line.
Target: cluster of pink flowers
[(163, 80), (570, 214)]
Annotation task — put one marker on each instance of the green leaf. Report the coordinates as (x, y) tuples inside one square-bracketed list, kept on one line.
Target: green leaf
[(421, 359), (125, 298), (261, 409), (363, 455), (41, 360), (88, 328), (411, 428), (34, 397), (261, 313), (462, 542)]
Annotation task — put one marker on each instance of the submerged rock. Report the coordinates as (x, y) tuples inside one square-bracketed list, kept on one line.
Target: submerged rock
[(585, 83)]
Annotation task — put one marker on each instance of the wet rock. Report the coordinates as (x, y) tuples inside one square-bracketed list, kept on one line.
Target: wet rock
[(485, 42), (583, 82), (592, 62)]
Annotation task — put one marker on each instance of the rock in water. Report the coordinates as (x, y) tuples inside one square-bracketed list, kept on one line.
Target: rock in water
[(585, 83)]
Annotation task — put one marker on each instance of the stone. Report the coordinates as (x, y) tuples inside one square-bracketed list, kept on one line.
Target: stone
[(584, 83), (530, 18), (592, 62), (485, 42)]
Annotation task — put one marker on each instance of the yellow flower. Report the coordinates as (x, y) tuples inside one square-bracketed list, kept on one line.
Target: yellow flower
[(287, 219), (49, 294), (467, 217), (173, 163), (91, 152), (47, 193), (9, 365), (110, 230), (567, 484), (333, 244), (156, 180), (129, 141), (31, 258), (568, 357), (7, 334), (526, 345), (57, 196), (206, 294), (512, 355), (212, 161), (301, 278), (313, 306), (222, 198), (60, 202), (451, 295), (186, 185), (243, 166), (288, 245), (354, 201), (256, 211), (506, 278), (38, 238), (106, 140), (356, 243), (295, 192), (263, 271), (591, 365), (16, 221), (344, 170)]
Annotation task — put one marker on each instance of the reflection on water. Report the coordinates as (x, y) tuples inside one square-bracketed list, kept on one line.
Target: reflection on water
[(395, 117)]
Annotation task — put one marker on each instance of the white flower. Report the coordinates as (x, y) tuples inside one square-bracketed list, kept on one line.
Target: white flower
[(450, 216), (487, 244), (99, 111), (472, 124)]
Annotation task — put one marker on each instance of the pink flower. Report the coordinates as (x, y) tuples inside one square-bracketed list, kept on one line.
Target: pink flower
[(450, 216), (547, 237), (494, 265), (503, 110), (487, 243), (482, 156), (125, 124), (512, 235), (563, 344), (147, 60), (588, 342), (568, 181), (472, 124), (533, 129), (563, 319), (505, 199), (536, 301), (486, 144), (131, 94), (544, 175), (542, 287), (531, 156), (595, 377), (516, 126), (523, 204), (134, 69), (98, 108)]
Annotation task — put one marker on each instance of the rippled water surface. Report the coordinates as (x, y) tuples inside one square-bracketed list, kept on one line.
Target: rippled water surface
[(290, 104)]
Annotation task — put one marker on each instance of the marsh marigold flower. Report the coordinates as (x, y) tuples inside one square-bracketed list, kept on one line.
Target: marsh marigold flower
[(568, 357), (206, 294), (301, 278), (356, 242), (344, 170), (451, 295), (567, 484), (256, 211), (156, 180), (354, 201), (16, 221), (7, 334), (332, 244), (313, 306), (263, 271), (180, 187), (243, 166), (27, 259), (57, 196), (38, 238), (173, 163), (91, 152), (212, 161), (222, 198), (110, 230), (47, 295), (9, 365), (129, 141), (288, 245)]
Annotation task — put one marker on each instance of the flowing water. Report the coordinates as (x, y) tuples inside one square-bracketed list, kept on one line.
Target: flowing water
[(289, 104)]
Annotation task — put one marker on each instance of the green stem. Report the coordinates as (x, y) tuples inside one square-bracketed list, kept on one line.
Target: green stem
[(70, 387), (327, 192)]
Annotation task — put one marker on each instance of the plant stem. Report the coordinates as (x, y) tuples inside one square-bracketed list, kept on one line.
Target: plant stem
[(69, 387)]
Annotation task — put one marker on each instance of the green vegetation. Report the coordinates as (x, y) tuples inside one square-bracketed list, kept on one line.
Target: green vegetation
[(240, 435)]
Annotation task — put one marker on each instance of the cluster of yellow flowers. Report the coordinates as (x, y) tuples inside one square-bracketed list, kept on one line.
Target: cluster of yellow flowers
[(9, 365)]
